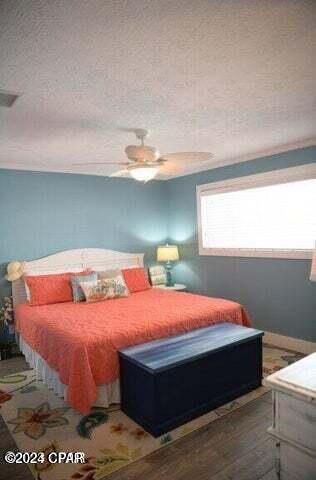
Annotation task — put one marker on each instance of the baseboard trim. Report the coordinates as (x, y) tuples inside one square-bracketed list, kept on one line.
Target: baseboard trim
[(289, 343)]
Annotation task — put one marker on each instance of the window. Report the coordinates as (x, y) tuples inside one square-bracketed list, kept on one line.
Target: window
[(266, 215)]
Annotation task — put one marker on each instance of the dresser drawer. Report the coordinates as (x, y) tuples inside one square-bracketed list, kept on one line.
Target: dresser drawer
[(295, 420), (295, 464)]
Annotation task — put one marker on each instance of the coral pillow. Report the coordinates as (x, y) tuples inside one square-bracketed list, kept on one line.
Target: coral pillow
[(47, 289), (136, 279)]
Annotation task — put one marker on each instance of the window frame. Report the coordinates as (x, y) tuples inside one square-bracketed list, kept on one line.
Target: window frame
[(275, 177)]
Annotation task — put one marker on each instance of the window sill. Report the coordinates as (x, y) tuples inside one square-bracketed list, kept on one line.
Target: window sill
[(256, 253)]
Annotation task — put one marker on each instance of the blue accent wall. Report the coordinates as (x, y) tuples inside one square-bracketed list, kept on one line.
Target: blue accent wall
[(276, 292), (43, 213)]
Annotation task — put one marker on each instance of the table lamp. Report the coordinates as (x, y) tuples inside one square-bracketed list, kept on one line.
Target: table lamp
[(168, 253)]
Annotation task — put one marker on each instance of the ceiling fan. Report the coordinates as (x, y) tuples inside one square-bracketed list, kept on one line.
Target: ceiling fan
[(144, 162)]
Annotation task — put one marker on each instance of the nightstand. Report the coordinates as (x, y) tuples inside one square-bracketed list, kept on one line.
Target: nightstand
[(176, 286)]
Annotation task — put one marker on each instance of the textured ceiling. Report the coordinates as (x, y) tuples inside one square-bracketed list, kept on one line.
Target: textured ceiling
[(232, 77)]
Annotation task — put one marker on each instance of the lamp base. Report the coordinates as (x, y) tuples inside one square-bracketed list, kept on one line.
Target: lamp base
[(170, 282)]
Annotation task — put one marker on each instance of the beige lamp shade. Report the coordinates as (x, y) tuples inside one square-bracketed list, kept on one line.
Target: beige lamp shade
[(313, 270), (167, 253)]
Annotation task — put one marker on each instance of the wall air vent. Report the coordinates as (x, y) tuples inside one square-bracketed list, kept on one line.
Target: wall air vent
[(7, 99)]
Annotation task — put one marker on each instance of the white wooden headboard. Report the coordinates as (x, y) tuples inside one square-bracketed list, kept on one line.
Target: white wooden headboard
[(75, 261)]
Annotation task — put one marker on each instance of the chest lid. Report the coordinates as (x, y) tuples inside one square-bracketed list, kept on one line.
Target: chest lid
[(168, 352)]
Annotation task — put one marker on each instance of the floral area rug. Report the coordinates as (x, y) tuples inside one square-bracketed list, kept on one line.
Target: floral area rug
[(40, 421)]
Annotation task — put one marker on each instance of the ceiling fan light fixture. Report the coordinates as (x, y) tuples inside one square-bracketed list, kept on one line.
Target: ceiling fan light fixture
[(144, 173)]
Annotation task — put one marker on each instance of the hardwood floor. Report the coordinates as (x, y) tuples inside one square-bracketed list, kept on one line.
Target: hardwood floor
[(234, 447)]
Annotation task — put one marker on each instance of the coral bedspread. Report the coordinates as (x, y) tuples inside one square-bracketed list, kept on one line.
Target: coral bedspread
[(80, 340)]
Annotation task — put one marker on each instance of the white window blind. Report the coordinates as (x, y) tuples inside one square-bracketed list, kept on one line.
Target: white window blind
[(279, 217)]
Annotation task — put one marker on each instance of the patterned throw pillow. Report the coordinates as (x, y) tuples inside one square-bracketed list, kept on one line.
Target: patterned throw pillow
[(158, 275), (77, 292), (104, 289)]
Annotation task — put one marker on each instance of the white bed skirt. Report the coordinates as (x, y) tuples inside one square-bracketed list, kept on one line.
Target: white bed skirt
[(106, 394)]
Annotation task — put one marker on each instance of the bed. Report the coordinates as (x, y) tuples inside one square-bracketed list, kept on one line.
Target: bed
[(73, 347)]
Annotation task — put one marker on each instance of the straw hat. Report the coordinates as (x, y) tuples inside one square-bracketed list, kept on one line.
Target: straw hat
[(15, 270)]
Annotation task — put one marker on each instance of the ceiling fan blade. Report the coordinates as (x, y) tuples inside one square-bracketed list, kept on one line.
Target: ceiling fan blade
[(190, 157), (99, 163), (120, 173), (170, 169)]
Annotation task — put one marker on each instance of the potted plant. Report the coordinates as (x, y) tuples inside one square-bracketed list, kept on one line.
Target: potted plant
[(6, 328)]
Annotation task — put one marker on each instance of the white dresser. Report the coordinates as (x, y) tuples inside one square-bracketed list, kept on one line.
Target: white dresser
[(294, 419)]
